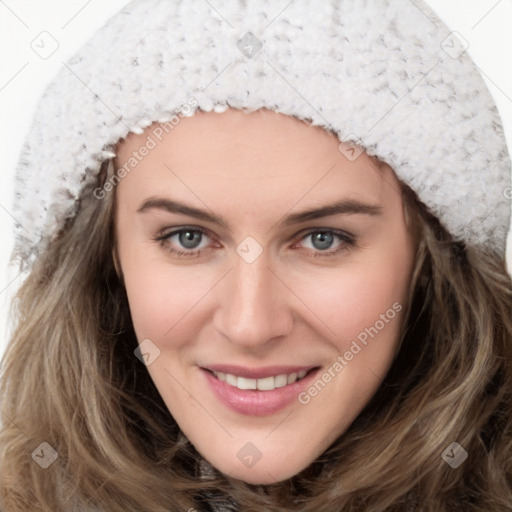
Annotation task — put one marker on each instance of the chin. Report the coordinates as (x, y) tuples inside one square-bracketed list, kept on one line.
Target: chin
[(261, 477), (264, 473)]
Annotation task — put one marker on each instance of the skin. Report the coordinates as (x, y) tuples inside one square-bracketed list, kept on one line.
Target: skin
[(286, 307)]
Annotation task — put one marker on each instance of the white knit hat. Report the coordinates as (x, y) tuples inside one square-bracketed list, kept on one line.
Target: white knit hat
[(387, 74)]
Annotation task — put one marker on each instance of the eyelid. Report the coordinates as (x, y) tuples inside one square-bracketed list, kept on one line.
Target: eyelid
[(168, 232), (338, 232)]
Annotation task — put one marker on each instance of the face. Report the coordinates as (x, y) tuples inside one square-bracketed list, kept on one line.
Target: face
[(267, 277)]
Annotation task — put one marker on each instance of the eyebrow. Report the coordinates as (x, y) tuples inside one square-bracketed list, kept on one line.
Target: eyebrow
[(342, 207)]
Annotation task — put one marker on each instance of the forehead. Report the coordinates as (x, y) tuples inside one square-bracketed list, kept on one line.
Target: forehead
[(230, 128), (259, 155)]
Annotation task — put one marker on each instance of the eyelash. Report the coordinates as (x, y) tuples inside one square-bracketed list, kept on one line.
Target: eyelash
[(349, 241)]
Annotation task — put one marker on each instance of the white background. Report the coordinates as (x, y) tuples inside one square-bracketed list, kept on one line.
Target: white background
[(485, 24)]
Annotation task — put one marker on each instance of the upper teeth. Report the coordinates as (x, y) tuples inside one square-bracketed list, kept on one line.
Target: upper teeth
[(265, 384)]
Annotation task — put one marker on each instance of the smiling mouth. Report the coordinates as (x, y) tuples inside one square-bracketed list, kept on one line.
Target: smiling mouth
[(263, 384)]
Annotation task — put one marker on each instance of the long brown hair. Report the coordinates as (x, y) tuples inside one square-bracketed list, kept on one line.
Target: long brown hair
[(70, 379)]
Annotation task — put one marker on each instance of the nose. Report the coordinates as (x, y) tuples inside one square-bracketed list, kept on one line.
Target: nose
[(253, 305)]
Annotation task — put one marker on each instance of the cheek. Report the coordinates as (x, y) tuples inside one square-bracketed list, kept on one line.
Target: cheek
[(161, 296), (362, 305), (352, 298), (152, 305)]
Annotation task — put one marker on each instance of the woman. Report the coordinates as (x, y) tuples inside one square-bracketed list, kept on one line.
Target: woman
[(266, 269)]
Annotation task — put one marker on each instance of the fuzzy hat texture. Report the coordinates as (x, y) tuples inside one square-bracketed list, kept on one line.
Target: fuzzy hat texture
[(386, 75)]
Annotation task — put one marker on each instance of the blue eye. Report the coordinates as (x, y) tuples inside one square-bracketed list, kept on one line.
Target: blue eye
[(322, 239), (190, 239)]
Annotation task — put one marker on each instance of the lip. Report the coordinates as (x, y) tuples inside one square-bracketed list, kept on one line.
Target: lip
[(255, 402), (256, 373)]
